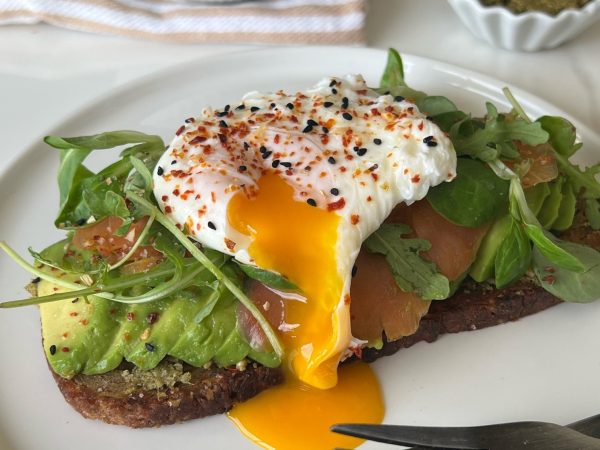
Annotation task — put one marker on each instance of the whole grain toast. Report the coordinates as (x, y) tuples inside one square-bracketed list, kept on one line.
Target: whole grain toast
[(118, 397)]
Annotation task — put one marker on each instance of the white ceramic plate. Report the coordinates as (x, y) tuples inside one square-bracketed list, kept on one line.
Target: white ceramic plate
[(543, 367)]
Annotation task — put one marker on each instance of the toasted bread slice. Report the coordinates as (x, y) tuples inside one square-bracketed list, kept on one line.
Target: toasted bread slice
[(176, 392)]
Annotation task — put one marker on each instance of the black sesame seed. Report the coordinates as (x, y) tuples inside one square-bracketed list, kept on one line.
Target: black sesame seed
[(275, 164), (377, 141), (373, 167), (328, 104), (361, 151), (345, 102), (272, 105), (311, 202), (227, 108), (332, 83), (254, 108), (427, 139), (189, 120), (149, 346), (222, 137), (242, 169), (308, 129), (331, 160), (75, 300), (212, 226), (386, 93), (159, 171), (347, 116), (174, 162), (354, 270), (290, 106), (242, 106), (223, 124), (262, 149), (334, 91), (398, 98), (312, 123), (335, 191), (81, 222), (287, 164), (36, 280), (222, 114), (265, 155), (325, 130), (246, 146), (52, 349), (431, 144)]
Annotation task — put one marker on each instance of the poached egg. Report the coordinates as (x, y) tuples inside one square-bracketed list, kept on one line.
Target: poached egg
[(294, 183)]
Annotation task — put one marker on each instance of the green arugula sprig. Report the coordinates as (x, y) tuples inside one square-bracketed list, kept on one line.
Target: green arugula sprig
[(411, 272)]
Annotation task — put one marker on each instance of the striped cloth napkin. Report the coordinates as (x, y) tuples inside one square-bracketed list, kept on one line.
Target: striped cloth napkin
[(264, 21)]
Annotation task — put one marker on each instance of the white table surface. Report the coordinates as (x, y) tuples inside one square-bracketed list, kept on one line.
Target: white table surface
[(47, 73)]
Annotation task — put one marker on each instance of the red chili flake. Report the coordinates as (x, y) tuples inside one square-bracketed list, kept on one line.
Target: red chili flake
[(84, 322), (347, 299), (198, 140), (339, 204), (343, 169), (168, 209), (222, 138), (421, 125), (550, 279), (73, 314), (130, 316), (112, 312), (230, 244), (276, 139), (369, 198), (180, 130), (164, 198), (354, 218), (213, 197), (416, 178), (549, 269), (324, 139), (65, 350), (65, 334), (152, 318), (176, 192), (357, 352), (374, 176), (405, 171)]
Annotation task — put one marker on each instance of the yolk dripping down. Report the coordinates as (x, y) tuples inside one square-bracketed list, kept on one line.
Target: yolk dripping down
[(299, 241), (294, 416)]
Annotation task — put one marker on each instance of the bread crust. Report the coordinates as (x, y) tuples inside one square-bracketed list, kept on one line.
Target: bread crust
[(209, 391)]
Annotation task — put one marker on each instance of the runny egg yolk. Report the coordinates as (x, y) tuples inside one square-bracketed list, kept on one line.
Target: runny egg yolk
[(294, 416), (299, 241)]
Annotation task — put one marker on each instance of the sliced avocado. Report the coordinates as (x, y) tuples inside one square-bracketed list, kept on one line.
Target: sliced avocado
[(536, 195), (566, 212), (64, 325), (549, 212), (483, 266)]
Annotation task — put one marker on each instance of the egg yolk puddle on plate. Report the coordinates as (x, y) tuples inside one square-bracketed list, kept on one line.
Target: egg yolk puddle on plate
[(294, 416)]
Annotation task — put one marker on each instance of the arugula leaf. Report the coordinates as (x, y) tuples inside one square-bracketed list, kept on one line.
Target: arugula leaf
[(572, 286), (473, 138), (514, 256), (109, 204), (267, 277), (553, 249), (392, 79), (411, 272), (74, 178), (479, 192)]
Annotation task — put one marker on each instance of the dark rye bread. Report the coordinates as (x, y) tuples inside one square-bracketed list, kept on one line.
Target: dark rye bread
[(207, 391)]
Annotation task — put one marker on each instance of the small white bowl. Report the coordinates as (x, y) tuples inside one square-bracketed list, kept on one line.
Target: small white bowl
[(530, 31)]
